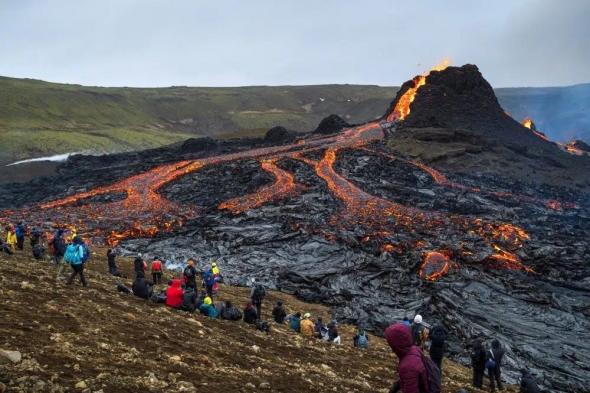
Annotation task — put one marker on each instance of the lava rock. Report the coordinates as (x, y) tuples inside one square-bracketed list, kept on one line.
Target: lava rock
[(278, 135), (331, 125)]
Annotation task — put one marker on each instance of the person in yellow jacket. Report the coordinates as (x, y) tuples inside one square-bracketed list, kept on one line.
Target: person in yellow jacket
[(11, 237), (216, 274), (307, 326)]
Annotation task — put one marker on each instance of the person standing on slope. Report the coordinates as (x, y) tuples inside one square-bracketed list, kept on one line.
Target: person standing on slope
[(190, 275), (412, 373), (57, 248), (112, 263), (20, 235), (75, 255), (419, 331), (157, 271), (478, 363), (257, 295), (494, 365), (11, 237), (438, 337)]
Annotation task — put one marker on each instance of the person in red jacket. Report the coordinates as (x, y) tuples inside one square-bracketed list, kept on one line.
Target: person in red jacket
[(157, 271), (174, 294), (412, 373)]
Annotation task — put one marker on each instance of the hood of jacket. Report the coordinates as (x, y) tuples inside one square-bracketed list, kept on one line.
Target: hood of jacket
[(399, 338)]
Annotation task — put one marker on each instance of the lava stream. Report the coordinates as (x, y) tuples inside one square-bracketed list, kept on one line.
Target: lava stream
[(283, 187)]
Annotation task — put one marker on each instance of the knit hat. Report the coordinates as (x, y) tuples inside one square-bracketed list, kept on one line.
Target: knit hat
[(207, 300), (418, 319), (307, 315)]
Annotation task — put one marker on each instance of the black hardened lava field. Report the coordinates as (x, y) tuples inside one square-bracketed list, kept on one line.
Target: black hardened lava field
[(446, 206)]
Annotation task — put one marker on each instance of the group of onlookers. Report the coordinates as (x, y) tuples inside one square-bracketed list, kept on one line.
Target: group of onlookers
[(408, 339)]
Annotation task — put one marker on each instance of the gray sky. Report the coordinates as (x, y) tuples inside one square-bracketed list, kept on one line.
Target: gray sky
[(255, 42)]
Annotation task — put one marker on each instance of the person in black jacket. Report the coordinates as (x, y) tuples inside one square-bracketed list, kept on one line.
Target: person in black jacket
[(229, 312), (111, 258), (496, 354), (278, 313), (189, 300), (138, 265), (528, 384), (250, 315), (438, 337), (141, 287), (478, 363), (190, 275)]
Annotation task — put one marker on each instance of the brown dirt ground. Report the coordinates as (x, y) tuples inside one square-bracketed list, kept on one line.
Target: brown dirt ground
[(120, 343)]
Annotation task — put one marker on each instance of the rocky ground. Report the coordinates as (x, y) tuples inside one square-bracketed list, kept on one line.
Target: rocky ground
[(95, 339)]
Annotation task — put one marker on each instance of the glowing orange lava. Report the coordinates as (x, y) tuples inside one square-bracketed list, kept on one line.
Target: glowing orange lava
[(283, 187), (434, 266), (402, 107)]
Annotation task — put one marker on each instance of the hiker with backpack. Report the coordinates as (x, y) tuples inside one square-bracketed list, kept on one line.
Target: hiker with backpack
[(360, 339), (257, 295), (37, 247), (417, 373), (494, 365), (57, 248), (209, 281), (278, 313), (438, 337), (156, 271), (20, 235), (35, 237), (76, 255), (190, 275), (478, 363), (141, 287), (419, 331)]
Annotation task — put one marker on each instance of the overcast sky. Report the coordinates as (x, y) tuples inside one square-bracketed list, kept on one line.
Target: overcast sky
[(274, 42)]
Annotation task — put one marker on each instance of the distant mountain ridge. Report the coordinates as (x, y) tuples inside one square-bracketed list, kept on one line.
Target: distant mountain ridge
[(41, 118)]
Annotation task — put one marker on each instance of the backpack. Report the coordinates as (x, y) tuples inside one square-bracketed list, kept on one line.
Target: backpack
[(491, 362), (38, 251), (363, 341), (432, 375), (73, 254), (417, 334), (85, 252), (259, 293)]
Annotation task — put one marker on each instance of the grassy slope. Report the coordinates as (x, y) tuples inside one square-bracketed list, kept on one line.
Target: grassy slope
[(39, 118), (119, 343)]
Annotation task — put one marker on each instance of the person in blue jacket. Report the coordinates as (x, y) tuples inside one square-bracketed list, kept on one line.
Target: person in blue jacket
[(208, 308), (295, 321), (209, 280), (20, 235), (76, 256)]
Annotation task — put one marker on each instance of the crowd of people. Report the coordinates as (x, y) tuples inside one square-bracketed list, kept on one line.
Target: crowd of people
[(408, 339)]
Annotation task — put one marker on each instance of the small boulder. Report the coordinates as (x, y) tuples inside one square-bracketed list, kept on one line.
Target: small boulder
[(13, 356)]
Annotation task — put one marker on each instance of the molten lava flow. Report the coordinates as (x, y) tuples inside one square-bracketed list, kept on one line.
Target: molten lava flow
[(434, 266), (283, 187), (508, 260), (528, 123), (402, 107)]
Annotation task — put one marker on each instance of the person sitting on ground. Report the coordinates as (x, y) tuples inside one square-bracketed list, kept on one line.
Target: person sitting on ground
[(494, 365), (250, 315), (4, 247), (138, 265), (413, 377), (11, 238), (278, 313), (230, 312), (208, 308), (190, 275), (209, 281), (19, 232), (141, 287), (333, 335), (528, 383), (294, 321), (174, 294), (75, 255), (361, 339), (419, 331), (189, 300), (157, 271), (306, 326), (112, 264), (263, 326), (257, 295), (319, 325), (478, 363), (438, 337)]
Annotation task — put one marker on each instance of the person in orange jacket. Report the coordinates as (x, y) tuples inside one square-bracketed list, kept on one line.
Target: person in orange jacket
[(306, 326)]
